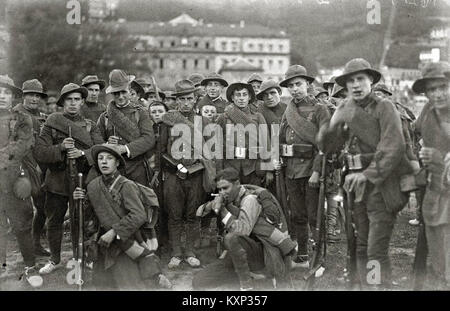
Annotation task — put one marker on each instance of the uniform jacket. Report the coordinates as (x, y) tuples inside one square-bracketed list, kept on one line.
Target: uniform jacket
[(436, 203), (48, 148), (220, 103), (92, 111), (318, 114)]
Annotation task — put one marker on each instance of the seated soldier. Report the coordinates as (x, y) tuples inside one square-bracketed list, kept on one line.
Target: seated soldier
[(126, 259), (257, 239)]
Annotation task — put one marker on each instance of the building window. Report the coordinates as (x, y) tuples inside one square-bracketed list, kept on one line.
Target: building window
[(161, 44), (172, 44), (281, 47), (270, 63), (184, 63), (280, 63), (261, 62), (195, 44), (250, 46), (234, 46), (224, 45), (270, 47), (260, 47), (207, 64), (195, 63), (161, 63), (207, 45)]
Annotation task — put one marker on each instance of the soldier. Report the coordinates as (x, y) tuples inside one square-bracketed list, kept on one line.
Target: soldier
[(303, 117), (64, 145), (136, 94), (92, 108), (51, 105), (150, 96), (145, 82), (33, 94), (246, 160), (16, 141), (187, 178), (321, 94), (376, 159), (128, 126), (434, 126), (255, 81), (214, 84), (272, 109), (197, 79)]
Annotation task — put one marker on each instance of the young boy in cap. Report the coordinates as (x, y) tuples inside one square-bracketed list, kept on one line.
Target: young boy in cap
[(92, 108), (129, 127), (125, 261), (33, 94), (434, 126), (375, 153), (214, 84), (255, 81), (66, 137), (16, 140), (303, 117)]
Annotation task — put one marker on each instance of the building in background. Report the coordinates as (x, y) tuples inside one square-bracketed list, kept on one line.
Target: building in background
[(172, 50)]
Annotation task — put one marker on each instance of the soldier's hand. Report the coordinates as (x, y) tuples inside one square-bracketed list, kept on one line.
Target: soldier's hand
[(79, 194), (354, 180), (276, 164), (217, 203), (74, 153), (106, 239), (68, 143), (268, 179), (113, 140), (430, 155), (314, 180)]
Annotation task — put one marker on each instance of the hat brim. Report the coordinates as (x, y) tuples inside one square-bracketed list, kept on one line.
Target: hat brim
[(44, 95), (95, 150), (234, 86), (101, 83), (327, 85), (419, 86), (111, 89), (254, 80), (261, 92), (162, 96), (336, 91), (342, 79), (14, 89), (221, 81), (138, 88), (307, 78), (82, 90), (321, 92)]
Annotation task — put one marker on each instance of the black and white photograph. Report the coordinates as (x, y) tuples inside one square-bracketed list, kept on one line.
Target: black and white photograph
[(207, 147)]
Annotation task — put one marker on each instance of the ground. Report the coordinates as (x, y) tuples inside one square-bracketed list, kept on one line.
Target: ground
[(401, 253)]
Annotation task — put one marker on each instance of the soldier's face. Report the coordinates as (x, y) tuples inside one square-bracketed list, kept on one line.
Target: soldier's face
[(31, 101), (209, 112), (359, 86), (241, 98), (256, 85), (271, 97), (298, 87), (121, 98), (438, 92), (229, 190), (72, 103), (157, 112), (214, 89), (93, 92), (107, 163), (171, 103), (6, 98), (151, 98), (186, 102), (134, 96), (322, 96)]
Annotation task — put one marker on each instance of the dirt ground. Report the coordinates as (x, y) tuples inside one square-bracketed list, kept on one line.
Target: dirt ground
[(401, 253)]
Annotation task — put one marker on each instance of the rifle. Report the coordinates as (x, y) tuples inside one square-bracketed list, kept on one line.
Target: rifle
[(156, 89), (80, 249), (281, 195), (317, 261), (420, 257), (71, 172)]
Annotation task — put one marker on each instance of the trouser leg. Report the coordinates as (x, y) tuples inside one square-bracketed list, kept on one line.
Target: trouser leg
[(39, 218), (194, 198), (175, 198), (299, 212), (3, 236), (55, 209)]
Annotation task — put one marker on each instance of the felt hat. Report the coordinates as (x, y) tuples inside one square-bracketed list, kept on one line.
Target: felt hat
[(358, 65), (197, 78), (8, 83), (90, 79), (184, 87), (110, 148), (383, 88), (254, 77), (295, 71), (214, 77), (431, 71), (152, 91), (238, 85), (267, 85), (71, 88), (33, 86), (329, 84), (118, 81)]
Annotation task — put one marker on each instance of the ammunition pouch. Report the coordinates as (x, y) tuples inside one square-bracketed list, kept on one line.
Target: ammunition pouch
[(301, 151)]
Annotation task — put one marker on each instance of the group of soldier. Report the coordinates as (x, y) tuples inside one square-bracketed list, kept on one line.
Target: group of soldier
[(266, 208)]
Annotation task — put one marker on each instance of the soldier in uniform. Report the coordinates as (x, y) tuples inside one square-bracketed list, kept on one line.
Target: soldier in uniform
[(197, 79), (303, 117), (150, 96), (170, 100), (33, 94), (92, 108), (434, 126), (16, 141), (255, 81), (376, 159), (128, 126), (137, 94), (187, 178), (64, 146), (246, 159), (214, 84)]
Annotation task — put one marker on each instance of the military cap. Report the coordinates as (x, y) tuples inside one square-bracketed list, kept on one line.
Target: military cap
[(295, 71), (254, 77), (8, 83), (184, 87), (152, 91), (431, 71), (358, 65), (319, 90), (197, 78), (90, 79), (238, 85), (33, 86), (111, 149), (383, 88), (329, 84), (118, 81), (267, 85), (214, 77), (169, 94), (71, 88)]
